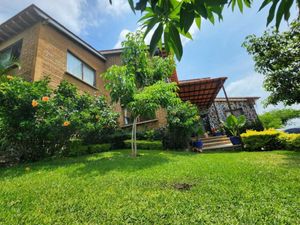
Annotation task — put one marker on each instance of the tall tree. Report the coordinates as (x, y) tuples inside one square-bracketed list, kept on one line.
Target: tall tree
[(278, 118), (172, 18), (139, 85), (277, 57)]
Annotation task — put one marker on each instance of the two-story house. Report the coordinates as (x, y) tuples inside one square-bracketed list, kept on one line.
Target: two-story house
[(45, 47)]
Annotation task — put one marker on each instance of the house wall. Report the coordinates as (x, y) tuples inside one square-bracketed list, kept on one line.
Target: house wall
[(247, 107), (29, 39)]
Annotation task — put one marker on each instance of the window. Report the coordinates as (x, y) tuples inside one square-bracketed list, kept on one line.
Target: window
[(11, 52), (235, 112), (80, 70)]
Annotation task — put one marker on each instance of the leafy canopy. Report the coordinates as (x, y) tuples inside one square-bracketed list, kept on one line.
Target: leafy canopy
[(141, 78), (277, 57), (278, 118), (140, 83), (172, 18)]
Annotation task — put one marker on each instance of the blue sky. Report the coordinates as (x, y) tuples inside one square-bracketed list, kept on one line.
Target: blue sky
[(215, 51)]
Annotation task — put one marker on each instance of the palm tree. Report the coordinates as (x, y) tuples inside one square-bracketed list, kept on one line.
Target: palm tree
[(6, 66)]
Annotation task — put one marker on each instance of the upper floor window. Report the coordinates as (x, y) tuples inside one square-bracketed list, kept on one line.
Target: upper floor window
[(81, 70), (11, 52)]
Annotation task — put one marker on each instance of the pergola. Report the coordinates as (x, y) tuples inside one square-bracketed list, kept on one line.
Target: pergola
[(201, 92)]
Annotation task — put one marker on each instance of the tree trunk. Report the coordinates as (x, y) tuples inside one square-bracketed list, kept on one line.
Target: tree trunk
[(133, 138)]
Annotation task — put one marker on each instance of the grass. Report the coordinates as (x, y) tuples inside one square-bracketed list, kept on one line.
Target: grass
[(113, 188)]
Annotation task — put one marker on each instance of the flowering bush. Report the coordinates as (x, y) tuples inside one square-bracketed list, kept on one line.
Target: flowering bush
[(36, 122), (262, 140), (290, 141)]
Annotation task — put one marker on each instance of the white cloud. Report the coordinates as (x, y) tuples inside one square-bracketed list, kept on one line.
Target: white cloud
[(117, 8), (67, 12), (121, 38), (193, 31), (252, 85)]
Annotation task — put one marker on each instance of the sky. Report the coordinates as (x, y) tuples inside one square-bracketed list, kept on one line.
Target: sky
[(214, 51)]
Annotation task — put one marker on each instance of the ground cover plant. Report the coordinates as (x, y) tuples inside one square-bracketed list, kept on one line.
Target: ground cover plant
[(156, 188)]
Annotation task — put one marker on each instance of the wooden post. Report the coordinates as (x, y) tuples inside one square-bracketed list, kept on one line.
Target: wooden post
[(227, 100)]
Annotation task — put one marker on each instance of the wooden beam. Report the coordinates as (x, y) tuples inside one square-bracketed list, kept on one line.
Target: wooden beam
[(227, 100), (4, 33), (199, 96), (23, 21), (17, 25), (10, 29), (33, 19), (204, 89)]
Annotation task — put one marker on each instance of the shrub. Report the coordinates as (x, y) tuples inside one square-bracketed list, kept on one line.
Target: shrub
[(36, 122), (76, 148), (97, 148), (146, 145), (150, 135), (262, 140), (183, 119), (290, 141)]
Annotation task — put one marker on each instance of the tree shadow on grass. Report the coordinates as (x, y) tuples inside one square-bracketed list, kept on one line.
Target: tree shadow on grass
[(90, 164), (291, 159), (120, 161)]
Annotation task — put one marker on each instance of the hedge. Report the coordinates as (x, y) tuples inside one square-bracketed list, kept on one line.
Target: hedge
[(146, 145), (291, 141), (77, 148), (270, 139)]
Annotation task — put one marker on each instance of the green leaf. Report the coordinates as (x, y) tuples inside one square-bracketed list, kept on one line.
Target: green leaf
[(264, 4), (156, 37), (272, 12), (280, 12), (141, 5), (215, 2), (187, 16), (198, 22), (287, 9), (210, 16), (247, 3), (131, 3), (150, 24), (200, 8), (240, 4), (176, 42)]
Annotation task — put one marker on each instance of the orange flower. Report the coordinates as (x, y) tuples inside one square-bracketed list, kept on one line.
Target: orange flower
[(9, 77), (34, 103), (45, 99), (66, 123)]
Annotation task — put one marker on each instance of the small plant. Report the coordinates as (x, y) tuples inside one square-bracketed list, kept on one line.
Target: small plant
[(234, 124)]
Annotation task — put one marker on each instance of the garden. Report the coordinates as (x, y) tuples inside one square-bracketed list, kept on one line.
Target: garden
[(159, 187), (68, 162)]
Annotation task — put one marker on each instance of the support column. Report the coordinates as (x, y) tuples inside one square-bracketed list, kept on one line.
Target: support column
[(227, 100)]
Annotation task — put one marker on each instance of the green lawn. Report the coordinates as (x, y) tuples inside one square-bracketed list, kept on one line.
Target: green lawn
[(113, 188)]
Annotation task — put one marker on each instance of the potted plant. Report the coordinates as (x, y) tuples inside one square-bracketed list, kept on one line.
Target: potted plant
[(198, 130), (234, 125)]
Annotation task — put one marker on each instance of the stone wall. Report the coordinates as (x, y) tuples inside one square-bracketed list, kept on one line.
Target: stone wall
[(239, 107)]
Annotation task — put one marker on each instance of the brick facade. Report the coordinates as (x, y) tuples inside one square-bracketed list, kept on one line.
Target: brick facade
[(44, 54), (29, 39)]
